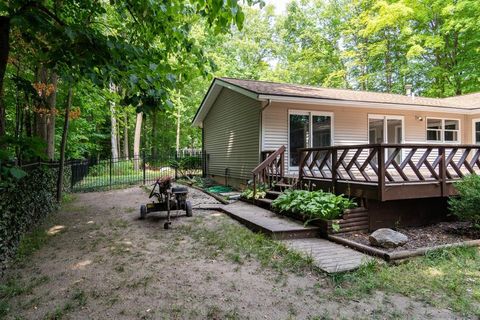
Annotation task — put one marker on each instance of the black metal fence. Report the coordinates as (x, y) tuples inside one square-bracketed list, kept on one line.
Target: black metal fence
[(95, 174)]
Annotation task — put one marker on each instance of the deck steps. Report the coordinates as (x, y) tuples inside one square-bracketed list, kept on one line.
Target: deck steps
[(273, 194), (264, 221)]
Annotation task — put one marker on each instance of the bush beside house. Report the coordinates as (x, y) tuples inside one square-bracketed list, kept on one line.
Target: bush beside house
[(467, 205)]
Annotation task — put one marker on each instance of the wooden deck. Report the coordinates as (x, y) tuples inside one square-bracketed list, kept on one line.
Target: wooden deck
[(387, 172)]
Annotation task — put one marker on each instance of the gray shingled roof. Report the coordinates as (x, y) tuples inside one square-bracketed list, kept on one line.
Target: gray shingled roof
[(468, 101)]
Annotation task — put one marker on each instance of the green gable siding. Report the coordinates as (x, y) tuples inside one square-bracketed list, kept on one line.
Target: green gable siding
[(232, 135)]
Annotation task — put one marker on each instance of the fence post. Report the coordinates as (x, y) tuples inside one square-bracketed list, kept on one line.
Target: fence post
[(204, 164), (176, 165), (110, 167), (144, 167)]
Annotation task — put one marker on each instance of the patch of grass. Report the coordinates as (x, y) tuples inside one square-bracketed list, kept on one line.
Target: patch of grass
[(80, 298), (31, 242), (240, 244), (443, 278), (77, 299), (120, 268), (67, 198), (119, 224), (13, 287), (4, 309)]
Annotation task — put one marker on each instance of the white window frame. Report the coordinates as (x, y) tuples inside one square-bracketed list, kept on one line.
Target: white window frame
[(474, 137), (443, 130), (310, 113), (385, 118)]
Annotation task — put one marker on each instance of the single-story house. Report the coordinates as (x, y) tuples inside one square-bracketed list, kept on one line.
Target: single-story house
[(378, 146)]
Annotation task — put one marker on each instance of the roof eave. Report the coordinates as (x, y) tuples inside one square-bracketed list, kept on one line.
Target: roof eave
[(367, 104)]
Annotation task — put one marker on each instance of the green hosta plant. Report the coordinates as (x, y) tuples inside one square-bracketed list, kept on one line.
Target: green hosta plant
[(313, 204), (260, 193), (467, 205)]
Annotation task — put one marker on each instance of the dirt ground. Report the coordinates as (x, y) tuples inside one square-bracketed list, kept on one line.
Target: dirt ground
[(105, 263)]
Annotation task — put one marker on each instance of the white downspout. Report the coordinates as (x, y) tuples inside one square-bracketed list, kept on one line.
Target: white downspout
[(269, 102)]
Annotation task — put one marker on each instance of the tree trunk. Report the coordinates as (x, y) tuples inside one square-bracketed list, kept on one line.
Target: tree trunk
[(119, 138), (154, 134), (28, 119), (41, 110), (125, 138), (113, 130), (4, 51), (52, 104), (136, 141), (63, 145), (177, 142)]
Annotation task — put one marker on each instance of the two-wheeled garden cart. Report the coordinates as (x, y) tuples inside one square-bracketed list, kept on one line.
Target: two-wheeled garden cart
[(168, 199)]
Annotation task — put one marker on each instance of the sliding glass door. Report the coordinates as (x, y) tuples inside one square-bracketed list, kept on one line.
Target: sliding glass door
[(386, 129), (305, 130)]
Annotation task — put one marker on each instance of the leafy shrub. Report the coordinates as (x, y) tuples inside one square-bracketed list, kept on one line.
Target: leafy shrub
[(119, 168), (203, 182), (313, 204), (186, 165), (261, 192), (22, 205), (467, 205)]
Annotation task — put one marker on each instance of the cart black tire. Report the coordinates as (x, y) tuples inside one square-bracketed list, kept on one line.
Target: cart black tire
[(166, 225), (143, 211), (188, 208)]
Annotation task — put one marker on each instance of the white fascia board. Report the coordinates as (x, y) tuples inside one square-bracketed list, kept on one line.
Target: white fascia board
[(235, 88), (212, 95), (373, 105)]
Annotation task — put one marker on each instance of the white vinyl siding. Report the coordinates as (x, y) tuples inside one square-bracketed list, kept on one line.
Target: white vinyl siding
[(350, 125)]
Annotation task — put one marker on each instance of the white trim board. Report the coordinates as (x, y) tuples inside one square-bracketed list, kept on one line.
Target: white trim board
[(371, 105)]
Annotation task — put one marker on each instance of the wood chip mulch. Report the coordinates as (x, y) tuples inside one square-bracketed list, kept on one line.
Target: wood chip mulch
[(427, 236)]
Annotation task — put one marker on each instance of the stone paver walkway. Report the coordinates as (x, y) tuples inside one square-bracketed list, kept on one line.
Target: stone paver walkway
[(328, 256)]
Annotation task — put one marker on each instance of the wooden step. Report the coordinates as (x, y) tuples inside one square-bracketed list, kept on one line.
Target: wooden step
[(267, 222), (283, 185), (271, 194), (265, 201)]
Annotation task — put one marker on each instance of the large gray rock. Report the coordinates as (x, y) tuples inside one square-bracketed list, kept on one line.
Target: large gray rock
[(387, 238)]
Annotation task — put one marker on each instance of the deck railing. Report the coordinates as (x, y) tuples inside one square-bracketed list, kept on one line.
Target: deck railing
[(270, 170), (386, 165)]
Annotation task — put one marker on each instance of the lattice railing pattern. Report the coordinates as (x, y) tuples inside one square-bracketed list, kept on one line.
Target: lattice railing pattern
[(271, 169), (405, 163)]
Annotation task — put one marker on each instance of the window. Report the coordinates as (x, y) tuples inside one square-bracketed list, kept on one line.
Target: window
[(443, 130), (476, 131), (306, 130)]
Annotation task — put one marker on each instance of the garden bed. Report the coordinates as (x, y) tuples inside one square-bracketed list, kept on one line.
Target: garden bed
[(421, 240), (353, 220)]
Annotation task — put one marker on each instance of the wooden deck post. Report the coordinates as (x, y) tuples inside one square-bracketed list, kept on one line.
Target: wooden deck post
[(254, 187), (381, 171), (334, 170), (301, 165), (442, 172), (282, 165)]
